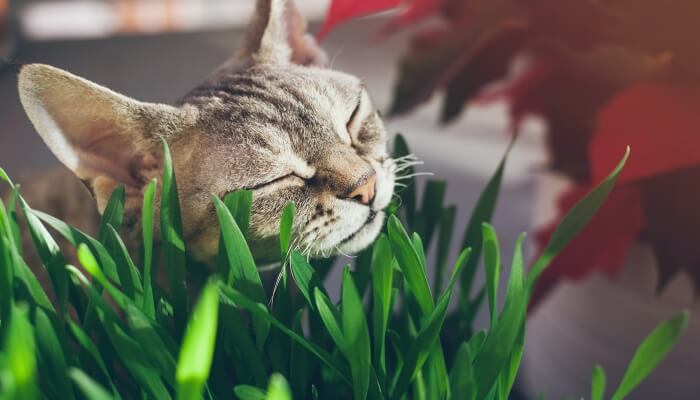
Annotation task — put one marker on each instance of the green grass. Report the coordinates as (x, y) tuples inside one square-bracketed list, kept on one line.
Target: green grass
[(391, 335)]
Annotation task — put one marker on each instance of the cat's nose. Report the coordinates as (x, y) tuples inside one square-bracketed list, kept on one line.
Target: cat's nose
[(364, 193)]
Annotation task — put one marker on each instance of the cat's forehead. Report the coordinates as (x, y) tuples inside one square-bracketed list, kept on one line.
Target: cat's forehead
[(273, 107), (312, 84)]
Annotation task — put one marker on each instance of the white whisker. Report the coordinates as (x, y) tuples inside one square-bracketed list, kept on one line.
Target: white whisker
[(341, 252), (274, 288), (403, 177), (407, 156), (337, 53), (407, 166)]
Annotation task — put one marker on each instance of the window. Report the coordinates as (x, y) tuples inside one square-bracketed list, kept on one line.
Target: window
[(60, 19)]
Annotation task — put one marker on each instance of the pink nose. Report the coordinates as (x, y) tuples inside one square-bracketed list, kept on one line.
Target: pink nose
[(365, 192)]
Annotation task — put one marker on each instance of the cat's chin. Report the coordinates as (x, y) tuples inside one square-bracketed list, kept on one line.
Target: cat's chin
[(363, 237)]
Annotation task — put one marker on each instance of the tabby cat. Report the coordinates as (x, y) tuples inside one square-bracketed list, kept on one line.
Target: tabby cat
[(272, 119)]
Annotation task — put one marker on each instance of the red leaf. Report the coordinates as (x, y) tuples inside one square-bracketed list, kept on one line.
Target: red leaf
[(340, 11), (568, 99), (660, 122), (417, 10), (601, 246), (489, 64), (673, 223), (578, 23)]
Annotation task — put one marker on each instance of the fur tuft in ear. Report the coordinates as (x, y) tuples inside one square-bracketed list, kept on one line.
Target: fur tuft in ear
[(105, 138), (277, 33)]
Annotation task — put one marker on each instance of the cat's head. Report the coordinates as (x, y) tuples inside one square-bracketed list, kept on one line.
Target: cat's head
[(272, 119)]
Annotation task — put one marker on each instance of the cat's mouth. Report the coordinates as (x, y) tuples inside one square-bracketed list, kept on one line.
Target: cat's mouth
[(370, 218)]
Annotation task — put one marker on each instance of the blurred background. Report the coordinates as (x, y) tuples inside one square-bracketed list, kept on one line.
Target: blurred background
[(158, 50)]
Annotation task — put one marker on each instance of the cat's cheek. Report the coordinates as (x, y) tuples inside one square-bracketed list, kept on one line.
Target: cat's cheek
[(385, 186), (365, 237)]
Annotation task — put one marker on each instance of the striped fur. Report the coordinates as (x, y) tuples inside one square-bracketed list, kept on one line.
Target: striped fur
[(272, 120)]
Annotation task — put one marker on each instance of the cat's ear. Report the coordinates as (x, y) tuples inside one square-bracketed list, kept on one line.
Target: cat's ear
[(277, 33), (103, 137)]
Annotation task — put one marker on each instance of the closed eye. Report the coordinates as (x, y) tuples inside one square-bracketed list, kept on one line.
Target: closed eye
[(354, 122), (285, 180)]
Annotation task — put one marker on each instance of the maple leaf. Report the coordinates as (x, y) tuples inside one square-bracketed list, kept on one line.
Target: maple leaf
[(603, 75), (657, 26), (567, 89), (437, 56), (490, 63), (340, 11), (660, 122)]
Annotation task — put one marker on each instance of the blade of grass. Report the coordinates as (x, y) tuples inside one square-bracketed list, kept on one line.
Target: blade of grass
[(299, 360), (356, 334), (428, 336), (153, 341), (410, 264), (240, 203), (21, 273), (89, 263), (14, 228), (90, 389), (420, 250), (476, 342), (50, 255), (500, 342), (651, 352), (244, 275), (598, 383), (435, 369), (382, 281), (147, 215), (506, 380), (574, 221), (6, 277), (196, 354), (129, 351), (114, 212), (305, 277), (172, 242), (239, 337), (237, 298), (462, 383), (492, 265), (286, 225), (20, 356), (278, 389), (52, 356), (76, 237), (127, 270), (86, 343), (330, 317), (247, 392)]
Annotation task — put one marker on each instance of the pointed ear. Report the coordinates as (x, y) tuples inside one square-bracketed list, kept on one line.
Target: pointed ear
[(103, 137), (277, 33)]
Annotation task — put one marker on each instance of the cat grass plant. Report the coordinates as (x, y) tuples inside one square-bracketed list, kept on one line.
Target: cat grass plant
[(111, 331)]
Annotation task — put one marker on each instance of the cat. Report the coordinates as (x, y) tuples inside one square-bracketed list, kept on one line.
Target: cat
[(273, 119)]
